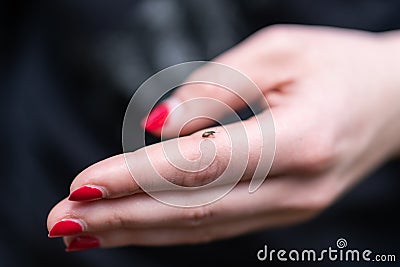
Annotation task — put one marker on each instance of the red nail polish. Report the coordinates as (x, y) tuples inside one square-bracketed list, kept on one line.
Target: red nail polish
[(65, 227), (86, 193), (156, 118), (83, 243)]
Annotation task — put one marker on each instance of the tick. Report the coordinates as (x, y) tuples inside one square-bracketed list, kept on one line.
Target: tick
[(207, 134)]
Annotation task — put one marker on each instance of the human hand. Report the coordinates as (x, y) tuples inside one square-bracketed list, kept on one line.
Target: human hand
[(333, 94)]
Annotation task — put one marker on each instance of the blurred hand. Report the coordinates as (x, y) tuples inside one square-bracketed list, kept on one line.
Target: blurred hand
[(334, 97)]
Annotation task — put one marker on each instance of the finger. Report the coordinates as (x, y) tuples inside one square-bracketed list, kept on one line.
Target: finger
[(187, 161), (196, 105), (182, 235), (114, 178), (241, 222), (143, 212), (108, 178)]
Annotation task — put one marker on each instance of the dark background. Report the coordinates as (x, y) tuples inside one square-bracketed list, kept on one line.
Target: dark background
[(67, 71)]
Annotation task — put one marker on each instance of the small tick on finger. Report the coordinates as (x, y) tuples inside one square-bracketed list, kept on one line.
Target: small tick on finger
[(207, 134)]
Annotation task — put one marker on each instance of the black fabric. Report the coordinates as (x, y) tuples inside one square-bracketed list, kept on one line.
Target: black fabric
[(67, 71)]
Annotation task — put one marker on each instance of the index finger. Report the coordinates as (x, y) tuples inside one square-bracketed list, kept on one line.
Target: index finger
[(111, 178)]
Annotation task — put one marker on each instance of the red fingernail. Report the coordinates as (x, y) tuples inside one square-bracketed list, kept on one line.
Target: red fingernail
[(156, 118), (65, 227), (86, 193), (83, 243)]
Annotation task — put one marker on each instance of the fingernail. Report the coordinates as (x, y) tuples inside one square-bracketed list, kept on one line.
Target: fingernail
[(83, 243), (65, 227), (156, 118), (86, 193)]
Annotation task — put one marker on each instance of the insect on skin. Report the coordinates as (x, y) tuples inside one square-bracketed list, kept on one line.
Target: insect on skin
[(207, 134)]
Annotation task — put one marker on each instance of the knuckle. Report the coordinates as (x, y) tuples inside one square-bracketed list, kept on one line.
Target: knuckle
[(277, 34), (311, 202), (318, 155), (204, 177), (277, 46), (204, 237), (209, 90), (199, 175), (195, 217), (317, 201), (200, 236), (275, 30), (114, 219)]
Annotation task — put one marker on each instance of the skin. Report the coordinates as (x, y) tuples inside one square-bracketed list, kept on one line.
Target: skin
[(334, 96)]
